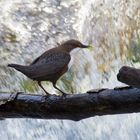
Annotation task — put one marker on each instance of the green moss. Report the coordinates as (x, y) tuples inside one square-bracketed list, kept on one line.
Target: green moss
[(134, 51), (29, 85), (67, 81)]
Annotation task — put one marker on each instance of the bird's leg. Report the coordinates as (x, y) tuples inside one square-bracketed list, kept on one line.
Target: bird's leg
[(39, 83), (63, 93)]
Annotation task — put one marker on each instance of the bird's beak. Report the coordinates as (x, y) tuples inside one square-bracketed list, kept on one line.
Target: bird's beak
[(90, 47), (85, 46)]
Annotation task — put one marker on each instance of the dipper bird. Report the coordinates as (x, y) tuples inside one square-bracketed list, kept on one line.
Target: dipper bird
[(51, 65)]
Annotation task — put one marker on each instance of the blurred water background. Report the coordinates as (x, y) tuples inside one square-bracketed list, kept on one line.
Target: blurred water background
[(28, 28)]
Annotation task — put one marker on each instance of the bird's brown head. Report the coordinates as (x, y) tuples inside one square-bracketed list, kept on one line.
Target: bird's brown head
[(72, 44)]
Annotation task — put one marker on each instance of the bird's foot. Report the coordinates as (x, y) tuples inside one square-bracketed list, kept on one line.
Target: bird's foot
[(14, 96), (64, 94)]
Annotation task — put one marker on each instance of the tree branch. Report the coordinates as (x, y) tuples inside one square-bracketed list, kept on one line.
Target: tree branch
[(72, 107)]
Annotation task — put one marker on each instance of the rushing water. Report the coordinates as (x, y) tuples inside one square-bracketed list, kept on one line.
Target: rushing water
[(29, 28)]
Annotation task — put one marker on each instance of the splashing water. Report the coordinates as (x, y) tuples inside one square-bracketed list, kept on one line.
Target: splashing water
[(30, 28)]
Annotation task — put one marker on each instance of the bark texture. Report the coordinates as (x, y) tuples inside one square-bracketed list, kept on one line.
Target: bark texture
[(72, 107)]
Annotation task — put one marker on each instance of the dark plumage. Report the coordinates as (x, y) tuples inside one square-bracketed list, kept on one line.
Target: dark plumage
[(51, 65)]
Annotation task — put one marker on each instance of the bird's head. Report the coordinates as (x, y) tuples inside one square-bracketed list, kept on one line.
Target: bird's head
[(72, 44)]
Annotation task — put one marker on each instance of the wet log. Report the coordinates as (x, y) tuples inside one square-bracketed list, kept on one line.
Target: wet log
[(129, 76), (72, 107)]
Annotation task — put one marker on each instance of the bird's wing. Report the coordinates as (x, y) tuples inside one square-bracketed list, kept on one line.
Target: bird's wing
[(45, 55), (35, 60), (49, 65)]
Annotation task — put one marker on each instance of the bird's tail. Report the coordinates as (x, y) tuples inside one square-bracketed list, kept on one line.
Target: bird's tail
[(21, 68)]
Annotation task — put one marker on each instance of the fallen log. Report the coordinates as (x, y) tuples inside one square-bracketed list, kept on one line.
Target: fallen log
[(72, 107), (129, 76)]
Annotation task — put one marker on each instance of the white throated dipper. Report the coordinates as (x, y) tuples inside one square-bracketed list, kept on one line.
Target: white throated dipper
[(51, 65)]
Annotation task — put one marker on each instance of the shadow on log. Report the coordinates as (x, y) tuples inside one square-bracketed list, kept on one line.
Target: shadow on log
[(72, 107)]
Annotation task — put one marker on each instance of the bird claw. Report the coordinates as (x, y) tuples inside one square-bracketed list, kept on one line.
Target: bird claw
[(64, 94), (14, 96)]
